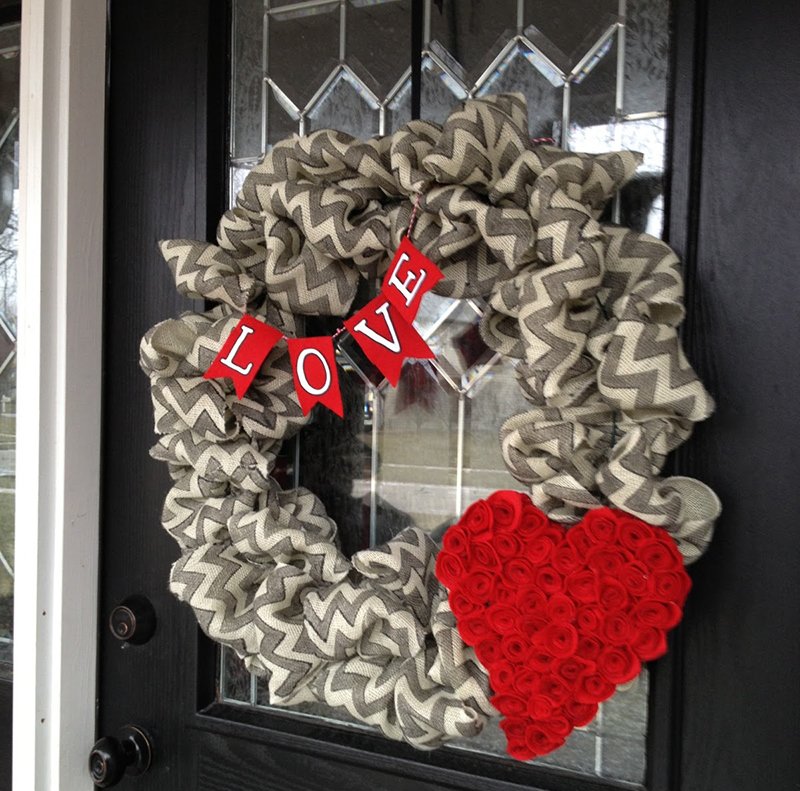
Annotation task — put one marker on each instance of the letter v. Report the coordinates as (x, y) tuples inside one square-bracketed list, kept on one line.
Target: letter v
[(391, 343)]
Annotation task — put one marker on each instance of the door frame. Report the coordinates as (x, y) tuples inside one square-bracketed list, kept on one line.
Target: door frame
[(60, 302)]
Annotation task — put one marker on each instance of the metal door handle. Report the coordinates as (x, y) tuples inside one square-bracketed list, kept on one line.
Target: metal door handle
[(111, 758)]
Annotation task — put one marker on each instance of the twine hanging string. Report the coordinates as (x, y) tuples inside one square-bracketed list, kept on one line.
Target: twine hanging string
[(413, 218)]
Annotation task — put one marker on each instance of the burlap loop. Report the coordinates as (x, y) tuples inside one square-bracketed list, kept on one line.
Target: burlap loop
[(589, 310)]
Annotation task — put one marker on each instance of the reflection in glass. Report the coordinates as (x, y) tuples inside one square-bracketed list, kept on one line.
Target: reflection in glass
[(9, 137), (594, 74)]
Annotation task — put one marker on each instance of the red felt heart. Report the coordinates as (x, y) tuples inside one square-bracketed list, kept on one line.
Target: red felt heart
[(558, 617)]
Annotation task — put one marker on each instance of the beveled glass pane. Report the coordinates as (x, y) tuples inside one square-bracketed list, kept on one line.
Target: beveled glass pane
[(471, 31), (9, 192), (376, 45), (493, 396), (646, 56), (345, 103), (570, 25), (593, 90), (398, 108), (248, 72), (522, 68), (235, 680), (302, 50), (417, 451), (283, 116), (442, 85)]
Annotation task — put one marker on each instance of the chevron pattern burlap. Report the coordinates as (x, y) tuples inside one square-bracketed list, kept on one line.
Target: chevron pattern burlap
[(590, 310)]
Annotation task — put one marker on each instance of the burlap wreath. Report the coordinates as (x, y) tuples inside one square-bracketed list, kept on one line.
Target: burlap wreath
[(590, 310)]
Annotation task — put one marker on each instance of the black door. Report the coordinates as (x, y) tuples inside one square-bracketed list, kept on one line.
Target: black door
[(709, 91)]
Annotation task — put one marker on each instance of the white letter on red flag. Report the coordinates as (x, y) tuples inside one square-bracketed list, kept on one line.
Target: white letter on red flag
[(316, 379), (386, 338), (410, 276), (244, 350)]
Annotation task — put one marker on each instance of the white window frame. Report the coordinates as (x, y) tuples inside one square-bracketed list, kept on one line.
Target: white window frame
[(62, 141)]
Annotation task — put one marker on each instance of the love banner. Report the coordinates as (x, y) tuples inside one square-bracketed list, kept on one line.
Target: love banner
[(383, 329)]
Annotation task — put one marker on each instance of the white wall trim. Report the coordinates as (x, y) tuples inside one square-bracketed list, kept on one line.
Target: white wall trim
[(62, 139)]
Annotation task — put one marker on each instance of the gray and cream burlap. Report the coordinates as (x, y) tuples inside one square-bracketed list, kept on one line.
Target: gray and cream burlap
[(590, 310)]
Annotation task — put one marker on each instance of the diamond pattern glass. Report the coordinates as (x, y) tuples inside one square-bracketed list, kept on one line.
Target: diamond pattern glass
[(344, 102), (522, 68), (594, 74)]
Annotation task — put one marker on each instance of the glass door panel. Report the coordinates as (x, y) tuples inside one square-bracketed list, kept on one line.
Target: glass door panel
[(594, 75)]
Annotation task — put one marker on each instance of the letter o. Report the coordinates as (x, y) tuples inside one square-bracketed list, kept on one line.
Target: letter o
[(301, 373)]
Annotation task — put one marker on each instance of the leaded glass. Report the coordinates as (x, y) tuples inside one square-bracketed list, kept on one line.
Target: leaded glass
[(594, 74)]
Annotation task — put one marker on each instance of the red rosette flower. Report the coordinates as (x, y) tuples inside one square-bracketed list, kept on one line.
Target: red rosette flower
[(606, 561), (636, 578), (583, 586), (515, 648), (478, 520), (549, 580), (504, 594), (600, 525), (532, 523), (503, 618), (589, 619), (514, 729), (565, 560), (671, 586), (661, 614), (572, 668), (540, 740), (449, 569), (539, 549), (478, 585), (561, 608), (580, 714), (649, 643), (485, 558), (526, 683), (658, 555), (506, 507), (473, 629), (618, 664), (509, 704), (503, 676), (617, 628), (489, 650), (507, 545), (633, 532), (531, 600), (589, 647), (517, 571), (613, 595), (559, 639), (554, 688), (540, 707), (593, 688), (579, 540), (456, 542), (461, 605)]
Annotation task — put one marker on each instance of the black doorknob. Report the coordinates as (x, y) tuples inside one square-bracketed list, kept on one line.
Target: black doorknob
[(110, 759), (133, 621)]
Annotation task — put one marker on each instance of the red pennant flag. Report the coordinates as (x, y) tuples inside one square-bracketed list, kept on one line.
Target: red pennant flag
[(386, 338), (408, 279), (316, 379), (241, 355)]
